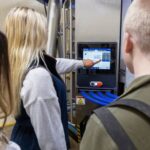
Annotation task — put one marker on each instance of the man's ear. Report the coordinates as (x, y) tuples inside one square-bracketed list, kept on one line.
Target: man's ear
[(128, 43)]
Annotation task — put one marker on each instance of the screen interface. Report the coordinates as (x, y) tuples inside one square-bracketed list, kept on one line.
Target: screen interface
[(103, 54)]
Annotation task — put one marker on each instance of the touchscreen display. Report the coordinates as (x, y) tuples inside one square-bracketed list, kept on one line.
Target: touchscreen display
[(103, 54)]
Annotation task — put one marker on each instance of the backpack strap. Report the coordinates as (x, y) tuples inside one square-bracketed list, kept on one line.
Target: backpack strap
[(137, 105), (114, 129)]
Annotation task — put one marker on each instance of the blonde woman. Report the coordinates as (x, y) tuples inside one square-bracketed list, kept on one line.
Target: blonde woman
[(39, 91), (6, 100)]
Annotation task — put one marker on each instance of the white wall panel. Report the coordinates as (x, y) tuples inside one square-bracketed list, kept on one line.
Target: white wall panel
[(6, 5), (97, 20)]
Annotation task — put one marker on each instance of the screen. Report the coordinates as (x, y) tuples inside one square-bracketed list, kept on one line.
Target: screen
[(95, 54)]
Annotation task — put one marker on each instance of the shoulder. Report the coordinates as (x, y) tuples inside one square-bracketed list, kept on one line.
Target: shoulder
[(94, 122), (95, 127), (100, 137), (129, 118), (38, 73), (37, 83), (126, 117), (38, 76), (134, 124)]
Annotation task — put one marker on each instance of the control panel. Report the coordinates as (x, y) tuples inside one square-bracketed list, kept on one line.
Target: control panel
[(103, 74)]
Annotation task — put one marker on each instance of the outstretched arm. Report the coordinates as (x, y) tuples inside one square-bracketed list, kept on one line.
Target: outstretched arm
[(67, 65)]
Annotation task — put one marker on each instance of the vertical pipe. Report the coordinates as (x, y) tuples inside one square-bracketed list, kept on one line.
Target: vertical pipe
[(70, 7), (64, 33), (64, 29), (54, 7), (71, 76)]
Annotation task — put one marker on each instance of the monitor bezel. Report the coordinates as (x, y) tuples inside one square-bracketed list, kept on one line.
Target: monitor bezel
[(109, 45)]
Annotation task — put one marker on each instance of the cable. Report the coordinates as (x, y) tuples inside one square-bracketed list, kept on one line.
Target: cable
[(105, 96), (85, 95), (101, 97), (111, 95)]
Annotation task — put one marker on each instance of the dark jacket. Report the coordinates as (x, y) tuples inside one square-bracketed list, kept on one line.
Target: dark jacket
[(136, 126)]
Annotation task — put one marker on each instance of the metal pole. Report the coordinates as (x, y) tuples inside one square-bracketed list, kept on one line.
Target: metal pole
[(54, 7), (71, 76), (64, 28)]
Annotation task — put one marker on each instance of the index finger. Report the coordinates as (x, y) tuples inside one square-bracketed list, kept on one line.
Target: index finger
[(97, 61)]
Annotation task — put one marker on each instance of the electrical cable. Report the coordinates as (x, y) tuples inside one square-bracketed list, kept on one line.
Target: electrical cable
[(85, 95), (101, 97), (105, 96), (111, 95)]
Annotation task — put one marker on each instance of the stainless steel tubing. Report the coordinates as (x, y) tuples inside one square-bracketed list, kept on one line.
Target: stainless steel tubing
[(54, 7), (71, 50), (64, 32), (64, 28), (71, 34)]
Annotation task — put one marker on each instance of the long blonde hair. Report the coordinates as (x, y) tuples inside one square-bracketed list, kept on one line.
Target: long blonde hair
[(26, 31)]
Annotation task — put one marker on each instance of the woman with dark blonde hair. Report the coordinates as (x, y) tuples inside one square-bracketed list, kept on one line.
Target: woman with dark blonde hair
[(6, 99), (40, 93)]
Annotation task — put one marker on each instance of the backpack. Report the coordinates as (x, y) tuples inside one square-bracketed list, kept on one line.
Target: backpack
[(113, 127)]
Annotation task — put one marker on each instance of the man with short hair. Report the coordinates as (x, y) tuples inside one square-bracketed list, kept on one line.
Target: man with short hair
[(126, 124)]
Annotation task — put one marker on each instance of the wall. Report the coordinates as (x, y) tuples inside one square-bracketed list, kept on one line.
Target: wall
[(128, 76), (6, 5), (97, 20)]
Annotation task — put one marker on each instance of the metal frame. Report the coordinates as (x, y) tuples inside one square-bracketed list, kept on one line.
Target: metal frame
[(65, 27)]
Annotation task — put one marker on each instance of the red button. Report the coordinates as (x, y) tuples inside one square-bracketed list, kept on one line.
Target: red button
[(99, 84)]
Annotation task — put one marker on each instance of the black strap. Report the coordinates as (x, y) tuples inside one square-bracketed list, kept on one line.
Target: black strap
[(112, 125), (134, 104), (114, 129)]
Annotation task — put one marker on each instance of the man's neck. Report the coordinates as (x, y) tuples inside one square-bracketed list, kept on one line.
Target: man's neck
[(141, 66)]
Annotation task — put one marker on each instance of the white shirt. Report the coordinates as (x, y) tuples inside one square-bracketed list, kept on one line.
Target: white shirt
[(12, 146), (41, 104)]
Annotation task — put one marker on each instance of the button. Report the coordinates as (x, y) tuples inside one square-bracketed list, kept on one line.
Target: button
[(99, 84), (96, 83)]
